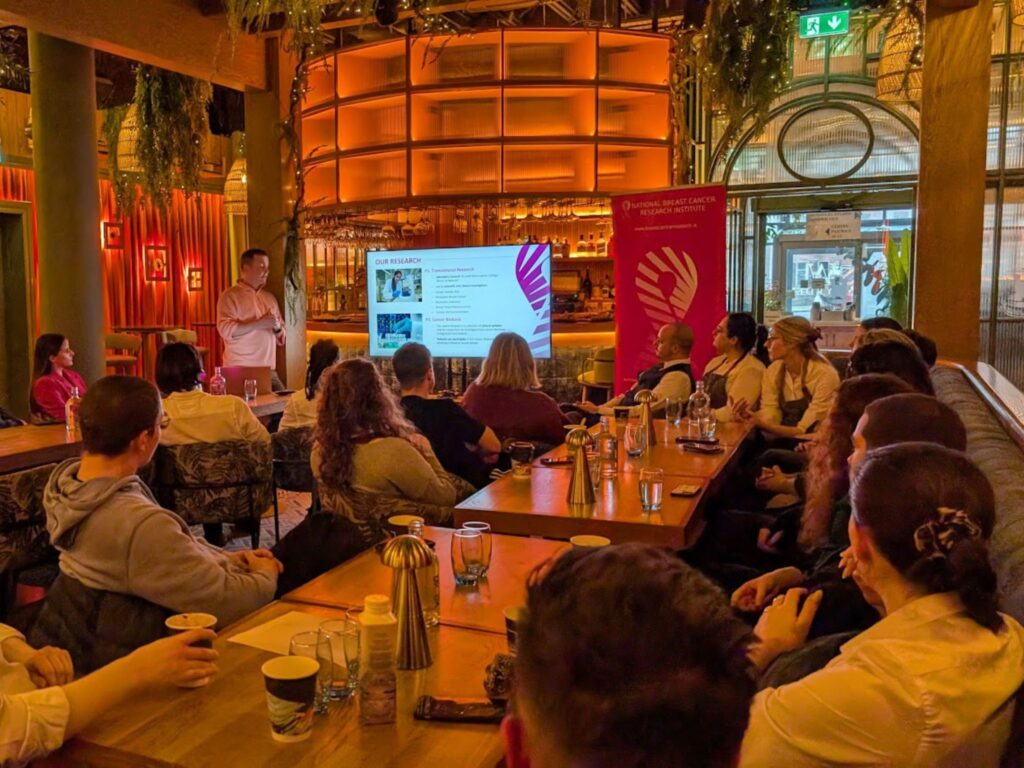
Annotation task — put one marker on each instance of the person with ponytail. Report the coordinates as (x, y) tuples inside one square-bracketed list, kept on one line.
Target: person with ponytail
[(300, 410), (627, 657), (798, 386), (934, 682), (734, 376)]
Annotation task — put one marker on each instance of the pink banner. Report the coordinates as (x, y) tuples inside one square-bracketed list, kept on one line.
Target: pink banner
[(669, 267)]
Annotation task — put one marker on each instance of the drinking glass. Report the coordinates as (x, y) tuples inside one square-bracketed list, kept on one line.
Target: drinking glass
[(708, 426), (250, 389), (485, 531), (674, 407), (635, 439), (343, 637), (652, 486), (315, 646), (594, 467), (467, 556), (521, 454)]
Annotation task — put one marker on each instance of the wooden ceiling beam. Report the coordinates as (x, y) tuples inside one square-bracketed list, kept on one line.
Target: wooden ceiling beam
[(172, 34)]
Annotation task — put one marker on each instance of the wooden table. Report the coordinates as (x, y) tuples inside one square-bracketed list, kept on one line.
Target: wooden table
[(267, 405), (226, 722), (537, 506), (32, 446), (479, 607)]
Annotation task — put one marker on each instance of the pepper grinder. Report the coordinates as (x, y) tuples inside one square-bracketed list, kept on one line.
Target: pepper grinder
[(644, 398), (581, 491), (405, 554)]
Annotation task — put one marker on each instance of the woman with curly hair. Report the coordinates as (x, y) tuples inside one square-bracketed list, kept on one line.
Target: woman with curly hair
[(365, 443)]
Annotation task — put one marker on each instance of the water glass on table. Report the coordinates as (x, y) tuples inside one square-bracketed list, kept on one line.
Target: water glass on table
[(251, 389), (674, 407), (635, 439), (467, 556), (484, 529), (313, 645), (521, 455), (594, 467), (652, 487), (343, 637)]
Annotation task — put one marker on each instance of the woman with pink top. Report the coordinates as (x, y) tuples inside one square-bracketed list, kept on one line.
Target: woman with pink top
[(52, 377)]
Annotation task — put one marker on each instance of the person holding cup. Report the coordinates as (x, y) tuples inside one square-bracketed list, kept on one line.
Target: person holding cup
[(42, 705)]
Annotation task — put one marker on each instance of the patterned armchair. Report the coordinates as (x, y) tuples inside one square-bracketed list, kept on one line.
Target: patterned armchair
[(24, 541), (370, 511), (225, 482), (292, 470)]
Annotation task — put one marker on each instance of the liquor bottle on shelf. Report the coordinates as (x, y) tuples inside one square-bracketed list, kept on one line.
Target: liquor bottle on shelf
[(566, 248), (606, 287), (586, 287), (581, 247), (591, 246), (602, 244)]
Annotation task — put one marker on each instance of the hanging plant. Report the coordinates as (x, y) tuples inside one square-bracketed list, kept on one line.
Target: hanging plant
[(681, 77), (744, 59), (169, 125)]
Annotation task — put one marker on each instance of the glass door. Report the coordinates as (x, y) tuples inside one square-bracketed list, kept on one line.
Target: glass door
[(819, 280)]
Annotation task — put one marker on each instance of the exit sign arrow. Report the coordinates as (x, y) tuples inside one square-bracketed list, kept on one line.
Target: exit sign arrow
[(824, 24)]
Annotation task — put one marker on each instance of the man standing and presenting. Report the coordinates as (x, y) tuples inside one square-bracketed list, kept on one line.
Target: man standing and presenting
[(249, 320)]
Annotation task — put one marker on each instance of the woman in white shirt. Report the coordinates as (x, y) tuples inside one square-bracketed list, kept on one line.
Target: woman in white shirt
[(798, 386), (300, 410), (42, 705), (198, 417), (734, 376), (934, 682)]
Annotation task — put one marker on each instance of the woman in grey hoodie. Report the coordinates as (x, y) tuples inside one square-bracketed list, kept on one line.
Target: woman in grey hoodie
[(121, 554)]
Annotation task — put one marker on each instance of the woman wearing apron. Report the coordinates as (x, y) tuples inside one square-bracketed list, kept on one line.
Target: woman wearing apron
[(798, 386), (733, 379)]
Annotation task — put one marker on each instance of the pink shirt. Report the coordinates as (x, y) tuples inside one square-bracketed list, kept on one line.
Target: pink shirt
[(51, 392), (241, 304)]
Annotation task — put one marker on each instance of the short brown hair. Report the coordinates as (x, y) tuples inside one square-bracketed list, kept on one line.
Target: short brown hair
[(411, 363), (116, 410), (629, 657), (248, 256), (913, 417)]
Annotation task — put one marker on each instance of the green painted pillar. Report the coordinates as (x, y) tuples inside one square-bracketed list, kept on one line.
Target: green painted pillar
[(63, 88)]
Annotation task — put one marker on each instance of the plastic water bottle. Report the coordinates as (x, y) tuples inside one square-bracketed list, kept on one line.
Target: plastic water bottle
[(428, 580), (607, 449), (378, 673), (218, 384), (71, 408), (698, 411)]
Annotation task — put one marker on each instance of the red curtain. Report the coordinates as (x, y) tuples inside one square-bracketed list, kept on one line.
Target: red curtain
[(194, 231)]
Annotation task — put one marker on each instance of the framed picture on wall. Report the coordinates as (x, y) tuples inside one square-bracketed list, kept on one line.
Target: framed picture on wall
[(157, 267), (113, 235), (195, 278)]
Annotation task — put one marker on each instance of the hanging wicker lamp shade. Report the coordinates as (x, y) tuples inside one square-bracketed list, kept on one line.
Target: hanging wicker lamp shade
[(899, 76), (128, 143), (1017, 12), (236, 189)]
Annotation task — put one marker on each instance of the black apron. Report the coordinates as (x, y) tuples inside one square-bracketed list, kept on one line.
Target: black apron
[(794, 410), (715, 384)]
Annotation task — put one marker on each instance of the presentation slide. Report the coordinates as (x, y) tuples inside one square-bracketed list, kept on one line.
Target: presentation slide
[(456, 300)]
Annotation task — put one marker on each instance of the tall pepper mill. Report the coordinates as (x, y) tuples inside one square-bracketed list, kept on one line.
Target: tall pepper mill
[(405, 554), (644, 398), (581, 491)]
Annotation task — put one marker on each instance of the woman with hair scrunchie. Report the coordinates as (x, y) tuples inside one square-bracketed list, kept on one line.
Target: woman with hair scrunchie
[(937, 681)]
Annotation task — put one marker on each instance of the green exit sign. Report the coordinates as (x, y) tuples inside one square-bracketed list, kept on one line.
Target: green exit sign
[(824, 24)]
